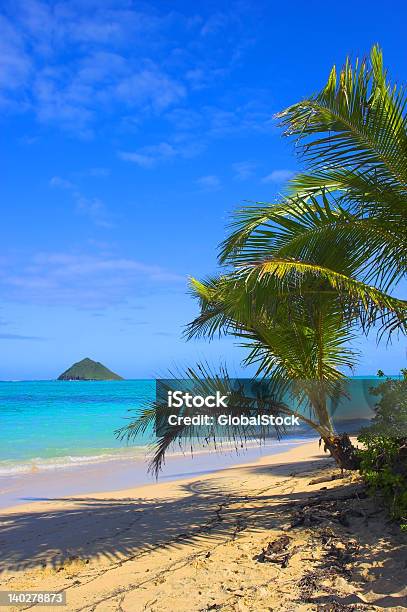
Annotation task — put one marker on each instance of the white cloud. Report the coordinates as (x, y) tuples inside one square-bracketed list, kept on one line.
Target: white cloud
[(101, 65), (212, 122), (244, 170), (151, 87), (79, 63), (19, 337), (210, 182), (105, 82), (56, 102), (61, 183), (147, 157), (185, 119), (72, 265), (111, 72), (92, 207), (15, 64), (278, 176), (141, 159), (97, 172), (214, 23), (86, 280)]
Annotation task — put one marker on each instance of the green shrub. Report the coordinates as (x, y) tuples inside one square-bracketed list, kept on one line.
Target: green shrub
[(384, 458)]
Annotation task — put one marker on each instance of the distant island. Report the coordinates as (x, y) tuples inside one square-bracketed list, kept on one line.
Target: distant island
[(87, 369)]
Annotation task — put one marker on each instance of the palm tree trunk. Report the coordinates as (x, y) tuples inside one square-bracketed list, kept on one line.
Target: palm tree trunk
[(339, 446), (342, 450)]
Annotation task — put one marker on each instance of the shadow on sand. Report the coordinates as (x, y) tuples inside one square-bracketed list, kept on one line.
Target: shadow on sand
[(88, 528)]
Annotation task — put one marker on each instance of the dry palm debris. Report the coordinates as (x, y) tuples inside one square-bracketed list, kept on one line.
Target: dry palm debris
[(277, 552)]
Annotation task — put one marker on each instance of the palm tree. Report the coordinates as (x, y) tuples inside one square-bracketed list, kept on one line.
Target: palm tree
[(352, 138), (303, 274)]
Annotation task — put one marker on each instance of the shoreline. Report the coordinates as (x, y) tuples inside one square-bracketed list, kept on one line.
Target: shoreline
[(127, 472), (196, 544), (10, 468)]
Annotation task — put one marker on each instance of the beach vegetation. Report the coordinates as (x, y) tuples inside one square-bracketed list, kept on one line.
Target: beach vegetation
[(384, 455)]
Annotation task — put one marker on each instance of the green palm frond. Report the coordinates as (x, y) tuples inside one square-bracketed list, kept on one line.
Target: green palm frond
[(361, 120), (366, 247), (289, 286), (264, 398), (298, 338), (249, 218)]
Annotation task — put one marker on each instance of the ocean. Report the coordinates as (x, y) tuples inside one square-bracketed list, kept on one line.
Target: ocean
[(57, 439), (50, 424), (45, 425)]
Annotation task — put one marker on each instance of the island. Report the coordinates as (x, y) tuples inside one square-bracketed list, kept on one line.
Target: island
[(87, 369)]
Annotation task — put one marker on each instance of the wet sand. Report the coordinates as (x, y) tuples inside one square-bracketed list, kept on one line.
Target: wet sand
[(122, 472)]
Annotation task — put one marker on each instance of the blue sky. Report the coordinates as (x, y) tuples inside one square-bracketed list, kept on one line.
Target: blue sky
[(130, 131)]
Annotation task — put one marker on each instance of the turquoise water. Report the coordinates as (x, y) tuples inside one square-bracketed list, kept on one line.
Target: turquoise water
[(50, 423), (46, 424)]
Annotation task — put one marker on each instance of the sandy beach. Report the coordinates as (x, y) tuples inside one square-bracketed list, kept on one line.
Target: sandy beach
[(259, 536)]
